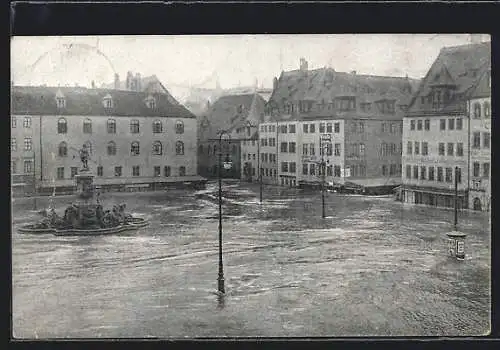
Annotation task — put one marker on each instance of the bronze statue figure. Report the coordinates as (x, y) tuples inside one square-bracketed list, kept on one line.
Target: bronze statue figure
[(84, 156)]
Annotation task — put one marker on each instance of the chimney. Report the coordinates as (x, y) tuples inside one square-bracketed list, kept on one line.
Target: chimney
[(208, 104), (93, 84), (275, 83), (138, 83), (117, 81), (303, 64), (128, 83)]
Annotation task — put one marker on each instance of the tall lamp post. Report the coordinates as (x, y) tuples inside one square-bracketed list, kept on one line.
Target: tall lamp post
[(324, 142), (258, 160), (455, 222), (220, 279)]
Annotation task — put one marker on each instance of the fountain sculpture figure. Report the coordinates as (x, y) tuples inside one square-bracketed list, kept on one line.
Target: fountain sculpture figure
[(86, 215)]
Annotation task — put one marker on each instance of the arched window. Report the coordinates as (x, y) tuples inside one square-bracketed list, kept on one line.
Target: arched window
[(134, 126), (179, 148), (477, 110), (134, 148), (486, 109), (88, 144), (62, 126), (63, 149), (111, 148), (157, 148), (107, 101), (87, 126), (111, 126), (179, 127), (157, 127)]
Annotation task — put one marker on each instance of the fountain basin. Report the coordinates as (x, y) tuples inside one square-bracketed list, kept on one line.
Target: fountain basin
[(133, 224)]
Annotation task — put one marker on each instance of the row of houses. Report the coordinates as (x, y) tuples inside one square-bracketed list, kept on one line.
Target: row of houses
[(136, 139), (386, 133)]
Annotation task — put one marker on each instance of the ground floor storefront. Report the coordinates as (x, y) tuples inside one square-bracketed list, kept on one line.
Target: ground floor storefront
[(435, 199)]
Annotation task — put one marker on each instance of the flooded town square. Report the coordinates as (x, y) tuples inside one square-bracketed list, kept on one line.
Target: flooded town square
[(372, 267)]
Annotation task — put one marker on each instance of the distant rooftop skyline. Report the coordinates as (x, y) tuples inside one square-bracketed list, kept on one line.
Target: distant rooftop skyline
[(237, 60)]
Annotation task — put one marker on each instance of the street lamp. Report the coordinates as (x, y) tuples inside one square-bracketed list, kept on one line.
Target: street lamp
[(227, 165), (258, 160), (324, 142)]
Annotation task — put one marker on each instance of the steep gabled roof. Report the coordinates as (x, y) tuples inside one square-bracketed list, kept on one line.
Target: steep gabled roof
[(41, 100), (460, 65)]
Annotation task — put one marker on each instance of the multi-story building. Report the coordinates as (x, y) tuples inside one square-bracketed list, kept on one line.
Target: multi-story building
[(361, 113), (239, 116), (439, 136), (479, 107), (134, 138)]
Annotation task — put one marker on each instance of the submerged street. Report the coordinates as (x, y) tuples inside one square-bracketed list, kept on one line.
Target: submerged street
[(373, 267)]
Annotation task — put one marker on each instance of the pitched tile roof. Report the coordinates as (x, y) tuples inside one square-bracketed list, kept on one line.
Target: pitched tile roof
[(227, 113), (41, 100), (459, 67), (324, 85)]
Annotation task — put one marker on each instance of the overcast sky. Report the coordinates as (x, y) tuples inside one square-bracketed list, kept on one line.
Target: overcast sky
[(236, 59)]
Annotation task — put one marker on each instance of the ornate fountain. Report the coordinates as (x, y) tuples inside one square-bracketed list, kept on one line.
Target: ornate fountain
[(86, 215)]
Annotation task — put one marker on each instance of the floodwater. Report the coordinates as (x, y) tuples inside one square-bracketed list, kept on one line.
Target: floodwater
[(373, 267)]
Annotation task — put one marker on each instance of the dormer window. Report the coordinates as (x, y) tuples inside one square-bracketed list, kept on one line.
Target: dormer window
[(151, 102), (107, 101), (60, 100)]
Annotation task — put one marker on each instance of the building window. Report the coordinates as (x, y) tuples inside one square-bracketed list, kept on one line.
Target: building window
[(312, 169), (460, 149), (427, 124), (475, 169), (60, 173), (477, 110), (28, 144), (118, 171), (419, 124), (14, 122), (425, 148), (305, 148), (74, 171), (134, 126), (487, 109), (87, 126), (409, 148), (450, 149), (179, 127), (408, 171), (384, 170), (283, 147), (136, 170), (28, 166), (361, 127), (304, 169), (361, 149), (336, 127), (157, 127), (99, 170), (431, 173), (321, 127), (284, 167), (111, 126), (107, 101), (412, 124), (337, 149), (415, 172), (441, 149), (179, 148), (27, 122), (451, 124), (135, 149), (459, 123), (291, 128), (422, 172), (336, 171), (476, 141), (486, 140), (293, 167), (111, 148), (442, 124), (329, 149), (62, 126), (312, 128), (157, 148), (449, 175), (166, 171), (312, 150), (13, 167), (458, 174), (329, 128), (151, 102), (157, 171), (63, 149), (417, 148), (486, 170), (291, 147), (61, 102), (13, 145), (440, 174)]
